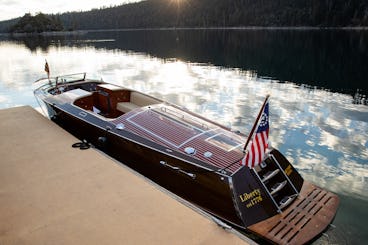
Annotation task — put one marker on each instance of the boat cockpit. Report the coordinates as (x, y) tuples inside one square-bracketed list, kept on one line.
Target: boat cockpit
[(106, 100), (112, 101)]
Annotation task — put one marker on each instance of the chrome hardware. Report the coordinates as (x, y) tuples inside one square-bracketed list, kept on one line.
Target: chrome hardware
[(222, 224), (168, 165), (283, 172), (190, 150), (223, 171), (287, 200), (263, 164), (270, 174), (120, 126), (272, 187), (83, 114), (269, 194), (207, 154), (193, 176), (277, 187)]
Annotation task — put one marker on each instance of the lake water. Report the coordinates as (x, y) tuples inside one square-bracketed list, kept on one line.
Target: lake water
[(317, 81)]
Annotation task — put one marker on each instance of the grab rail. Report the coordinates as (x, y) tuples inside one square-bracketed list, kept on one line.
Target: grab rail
[(193, 176)]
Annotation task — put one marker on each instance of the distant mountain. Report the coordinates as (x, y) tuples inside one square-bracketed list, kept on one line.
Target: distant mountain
[(7, 24), (219, 13)]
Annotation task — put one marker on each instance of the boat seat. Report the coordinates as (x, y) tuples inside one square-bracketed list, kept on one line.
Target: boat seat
[(126, 106), (136, 100)]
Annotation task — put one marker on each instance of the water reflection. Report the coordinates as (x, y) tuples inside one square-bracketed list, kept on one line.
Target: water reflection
[(334, 60), (321, 132)]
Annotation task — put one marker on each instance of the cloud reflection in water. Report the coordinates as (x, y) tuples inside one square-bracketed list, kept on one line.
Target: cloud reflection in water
[(322, 133)]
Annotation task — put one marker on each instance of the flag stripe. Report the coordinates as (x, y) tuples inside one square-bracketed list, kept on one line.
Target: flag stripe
[(257, 150), (254, 155), (260, 147)]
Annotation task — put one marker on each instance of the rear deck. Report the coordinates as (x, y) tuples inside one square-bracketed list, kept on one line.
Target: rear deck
[(179, 130), (51, 193)]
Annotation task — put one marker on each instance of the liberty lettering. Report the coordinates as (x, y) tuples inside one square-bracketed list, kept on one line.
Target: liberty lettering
[(246, 196)]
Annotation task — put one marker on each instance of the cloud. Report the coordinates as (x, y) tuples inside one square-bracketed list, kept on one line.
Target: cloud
[(17, 8)]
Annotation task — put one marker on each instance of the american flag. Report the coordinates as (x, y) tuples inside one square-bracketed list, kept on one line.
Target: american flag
[(256, 151)]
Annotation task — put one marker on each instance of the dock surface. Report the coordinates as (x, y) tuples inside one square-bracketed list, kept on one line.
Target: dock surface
[(51, 193)]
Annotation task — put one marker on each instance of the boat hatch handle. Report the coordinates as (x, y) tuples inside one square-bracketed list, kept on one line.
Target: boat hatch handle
[(193, 176)]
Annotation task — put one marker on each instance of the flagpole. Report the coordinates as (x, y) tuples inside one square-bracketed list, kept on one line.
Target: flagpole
[(250, 135), (47, 70), (255, 123)]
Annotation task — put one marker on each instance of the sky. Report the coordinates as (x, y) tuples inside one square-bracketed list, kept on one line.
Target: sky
[(16, 8)]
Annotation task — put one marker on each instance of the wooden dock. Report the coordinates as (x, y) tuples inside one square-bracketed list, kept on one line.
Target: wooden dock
[(51, 193)]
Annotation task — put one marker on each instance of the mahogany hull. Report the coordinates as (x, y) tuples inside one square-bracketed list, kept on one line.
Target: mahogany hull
[(208, 190)]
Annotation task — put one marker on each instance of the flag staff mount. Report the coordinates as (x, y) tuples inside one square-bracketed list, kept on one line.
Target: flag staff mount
[(250, 135)]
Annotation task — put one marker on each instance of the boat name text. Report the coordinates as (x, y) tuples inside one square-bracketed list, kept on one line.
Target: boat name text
[(253, 197), (288, 170)]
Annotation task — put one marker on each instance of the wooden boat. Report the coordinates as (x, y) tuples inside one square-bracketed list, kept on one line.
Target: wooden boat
[(191, 156)]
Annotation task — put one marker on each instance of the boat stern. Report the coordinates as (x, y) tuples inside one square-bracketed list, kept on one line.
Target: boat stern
[(277, 204)]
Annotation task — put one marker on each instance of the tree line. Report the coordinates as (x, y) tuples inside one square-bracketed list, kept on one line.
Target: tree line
[(220, 13), (38, 23)]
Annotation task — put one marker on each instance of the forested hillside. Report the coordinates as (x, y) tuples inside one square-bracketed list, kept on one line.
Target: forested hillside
[(38, 23), (221, 13)]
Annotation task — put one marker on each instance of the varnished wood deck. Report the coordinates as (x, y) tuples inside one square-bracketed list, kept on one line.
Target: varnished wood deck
[(51, 193), (177, 130)]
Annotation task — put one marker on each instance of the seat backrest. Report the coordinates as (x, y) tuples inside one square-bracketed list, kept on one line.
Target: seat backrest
[(141, 99)]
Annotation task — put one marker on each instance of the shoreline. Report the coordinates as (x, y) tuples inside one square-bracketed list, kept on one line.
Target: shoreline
[(286, 28), (255, 28)]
